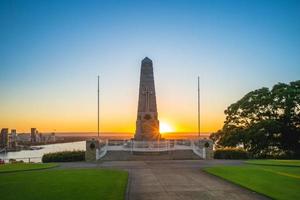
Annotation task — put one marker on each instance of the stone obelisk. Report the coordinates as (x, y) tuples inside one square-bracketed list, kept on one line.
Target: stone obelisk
[(147, 124)]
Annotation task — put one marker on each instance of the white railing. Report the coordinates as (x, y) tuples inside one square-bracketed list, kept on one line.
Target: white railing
[(150, 146), (201, 152), (101, 152)]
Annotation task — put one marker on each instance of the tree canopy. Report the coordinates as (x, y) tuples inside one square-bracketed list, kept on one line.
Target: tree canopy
[(265, 122)]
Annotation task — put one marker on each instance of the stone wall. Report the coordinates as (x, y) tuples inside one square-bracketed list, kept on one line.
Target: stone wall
[(91, 150), (208, 145)]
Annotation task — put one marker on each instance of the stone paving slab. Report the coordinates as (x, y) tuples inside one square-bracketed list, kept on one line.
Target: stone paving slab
[(175, 180)]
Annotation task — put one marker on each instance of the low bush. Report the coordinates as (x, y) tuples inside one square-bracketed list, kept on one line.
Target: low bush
[(231, 153), (64, 156), (14, 161)]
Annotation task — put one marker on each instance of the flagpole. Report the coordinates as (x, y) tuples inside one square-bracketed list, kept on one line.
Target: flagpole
[(98, 108), (199, 107)]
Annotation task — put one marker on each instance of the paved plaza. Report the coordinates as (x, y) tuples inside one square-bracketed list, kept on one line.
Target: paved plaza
[(174, 180)]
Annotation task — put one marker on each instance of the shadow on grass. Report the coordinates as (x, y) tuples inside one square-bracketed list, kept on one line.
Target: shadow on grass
[(12, 168)]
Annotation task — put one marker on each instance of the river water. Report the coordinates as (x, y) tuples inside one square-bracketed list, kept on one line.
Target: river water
[(36, 155)]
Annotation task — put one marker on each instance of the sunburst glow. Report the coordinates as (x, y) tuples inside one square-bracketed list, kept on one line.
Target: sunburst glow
[(165, 127)]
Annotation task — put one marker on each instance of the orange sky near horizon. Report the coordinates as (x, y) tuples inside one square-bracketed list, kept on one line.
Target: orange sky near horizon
[(117, 112), (64, 110), (114, 122)]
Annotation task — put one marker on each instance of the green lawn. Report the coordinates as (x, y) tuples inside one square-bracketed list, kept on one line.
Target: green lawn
[(25, 166), (275, 162), (278, 182), (73, 184)]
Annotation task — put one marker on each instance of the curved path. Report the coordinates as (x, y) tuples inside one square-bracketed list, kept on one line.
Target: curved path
[(175, 180)]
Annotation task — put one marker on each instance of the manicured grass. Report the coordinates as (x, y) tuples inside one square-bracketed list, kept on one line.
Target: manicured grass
[(275, 162), (278, 182), (64, 184), (25, 167)]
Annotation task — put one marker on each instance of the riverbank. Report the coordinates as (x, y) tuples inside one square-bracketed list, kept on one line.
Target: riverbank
[(37, 153)]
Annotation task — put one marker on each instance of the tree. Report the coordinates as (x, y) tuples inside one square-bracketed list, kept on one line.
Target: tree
[(265, 122)]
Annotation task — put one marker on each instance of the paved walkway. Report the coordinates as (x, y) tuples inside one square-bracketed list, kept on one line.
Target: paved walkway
[(175, 180)]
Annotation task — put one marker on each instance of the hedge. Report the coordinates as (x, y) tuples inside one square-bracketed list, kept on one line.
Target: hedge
[(64, 156), (231, 153)]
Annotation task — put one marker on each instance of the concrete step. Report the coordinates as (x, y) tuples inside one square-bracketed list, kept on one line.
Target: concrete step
[(135, 156)]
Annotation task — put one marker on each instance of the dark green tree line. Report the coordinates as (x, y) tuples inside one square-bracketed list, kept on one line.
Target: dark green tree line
[(265, 122)]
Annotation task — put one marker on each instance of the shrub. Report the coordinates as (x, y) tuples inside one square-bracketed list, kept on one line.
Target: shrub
[(14, 161), (231, 153), (64, 156)]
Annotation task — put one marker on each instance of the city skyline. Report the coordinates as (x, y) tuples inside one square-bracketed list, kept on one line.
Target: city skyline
[(52, 53)]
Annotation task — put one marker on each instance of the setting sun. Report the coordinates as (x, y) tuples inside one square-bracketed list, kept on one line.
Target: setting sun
[(165, 127)]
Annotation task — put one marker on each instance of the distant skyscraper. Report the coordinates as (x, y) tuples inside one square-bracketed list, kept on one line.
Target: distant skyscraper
[(4, 138), (33, 135), (13, 132), (12, 139), (52, 138), (24, 137), (147, 124)]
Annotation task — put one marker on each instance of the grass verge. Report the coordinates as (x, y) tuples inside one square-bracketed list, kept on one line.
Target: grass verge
[(278, 182), (75, 184), (292, 163), (24, 167)]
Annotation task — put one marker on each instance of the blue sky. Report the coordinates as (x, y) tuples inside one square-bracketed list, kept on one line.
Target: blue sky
[(52, 51)]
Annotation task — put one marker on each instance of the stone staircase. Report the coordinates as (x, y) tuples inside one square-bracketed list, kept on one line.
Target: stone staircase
[(136, 156)]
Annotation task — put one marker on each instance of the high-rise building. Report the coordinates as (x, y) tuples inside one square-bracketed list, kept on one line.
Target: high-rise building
[(24, 137), (13, 132), (4, 137), (40, 137), (48, 137), (52, 137), (12, 139), (33, 135)]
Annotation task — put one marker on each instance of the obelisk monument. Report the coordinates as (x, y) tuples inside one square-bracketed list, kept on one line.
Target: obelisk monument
[(147, 124)]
